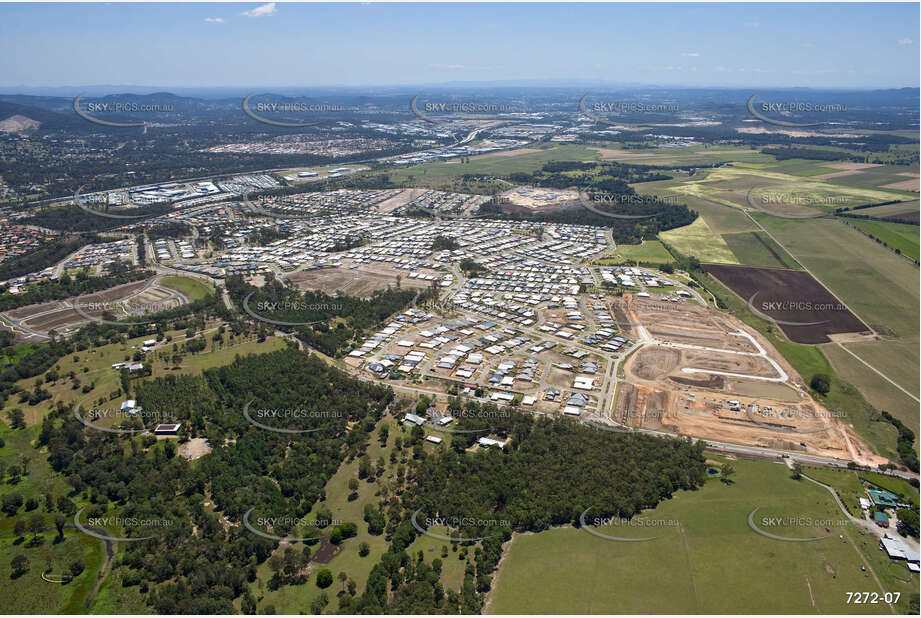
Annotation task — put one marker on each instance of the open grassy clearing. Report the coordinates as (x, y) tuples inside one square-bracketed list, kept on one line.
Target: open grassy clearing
[(698, 240), (877, 391), (650, 251), (901, 236), (442, 174), (193, 289), (712, 562), (880, 287), (757, 249), (903, 210), (29, 593), (732, 184)]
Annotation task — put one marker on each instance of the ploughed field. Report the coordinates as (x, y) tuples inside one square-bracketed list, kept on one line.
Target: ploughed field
[(803, 309)]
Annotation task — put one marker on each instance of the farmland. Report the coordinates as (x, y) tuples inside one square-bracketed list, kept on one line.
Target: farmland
[(710, 552), (805, 310), (900, 236), (698, 240)]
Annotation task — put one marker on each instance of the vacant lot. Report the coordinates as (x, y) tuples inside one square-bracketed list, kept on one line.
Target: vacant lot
[(698, 240), (805, 310), (650, 251), (710, 562), (193, 289)]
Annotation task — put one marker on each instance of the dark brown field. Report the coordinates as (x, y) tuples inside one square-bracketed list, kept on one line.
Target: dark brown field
[(804, 310)]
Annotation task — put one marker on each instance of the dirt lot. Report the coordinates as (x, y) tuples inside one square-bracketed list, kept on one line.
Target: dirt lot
[(60, 314), (360, 282), (771, 406), (805, 311), (194, 448)]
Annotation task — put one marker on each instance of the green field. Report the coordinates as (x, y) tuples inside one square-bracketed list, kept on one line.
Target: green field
[(879, 286), (711, 562), (193, 289), (774, 190), (526, 160), (901, 236), (757, 249), (650, 251), (698, 240)]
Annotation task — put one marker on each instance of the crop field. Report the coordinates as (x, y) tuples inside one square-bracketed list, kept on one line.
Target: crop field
[(794, 297), (901, 236), (744, 187), (698, 240), (903, 211), (706, 557), (757, 249), (699, 155), (879, 286)]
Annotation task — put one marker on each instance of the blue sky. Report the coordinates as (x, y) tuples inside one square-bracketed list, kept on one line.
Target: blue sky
[(252, 44)]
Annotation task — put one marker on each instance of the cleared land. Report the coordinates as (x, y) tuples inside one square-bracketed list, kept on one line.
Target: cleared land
[(880, 287), (711, 562), (193, 289), (698, 240), (650, 251), (804, 310)]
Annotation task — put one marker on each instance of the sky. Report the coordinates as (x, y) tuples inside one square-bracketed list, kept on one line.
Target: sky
[(374, 43)]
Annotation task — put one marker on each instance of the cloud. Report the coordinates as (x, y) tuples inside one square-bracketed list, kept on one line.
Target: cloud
[(214, 20), (905, 41), (690, 54), (265, 10)]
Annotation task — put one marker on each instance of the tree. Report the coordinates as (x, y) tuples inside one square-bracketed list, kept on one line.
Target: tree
[(20, 565), (821, 383), (343, 577), (76, 567), (797, 472), (726, 471), (324, 578), (59, 523), (363, 549), (17, 418), (319, 603)]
